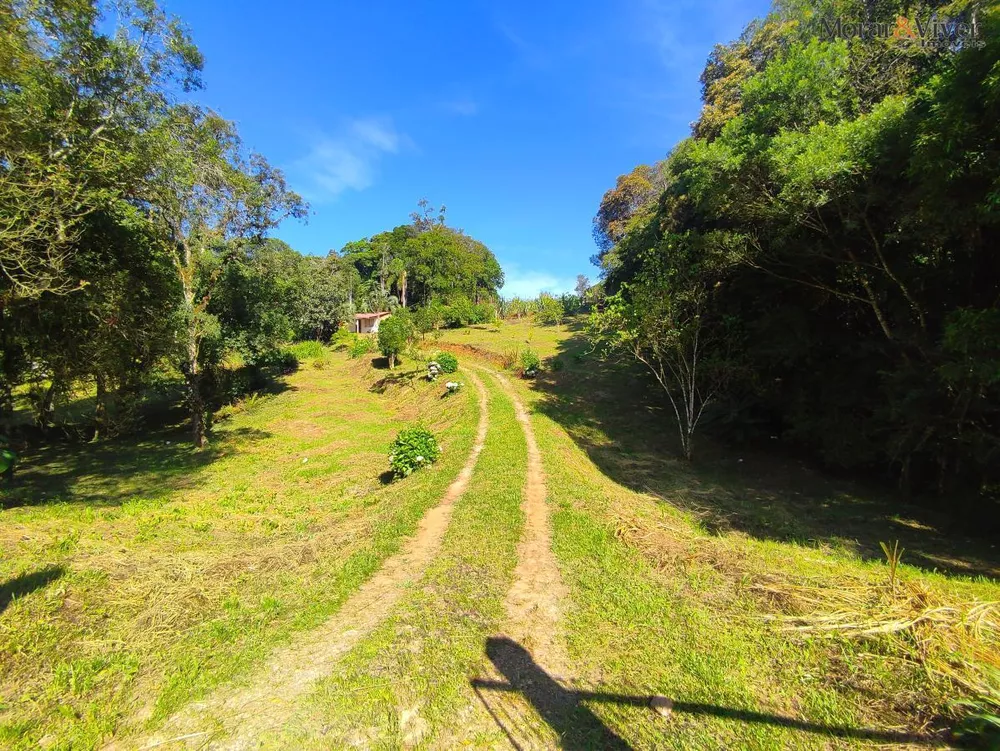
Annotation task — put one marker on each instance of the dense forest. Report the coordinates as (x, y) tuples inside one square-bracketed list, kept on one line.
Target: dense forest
[(134, 229), (818, 262)]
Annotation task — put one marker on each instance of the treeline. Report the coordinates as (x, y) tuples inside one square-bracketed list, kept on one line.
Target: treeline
[(133, 229), (818, 261)]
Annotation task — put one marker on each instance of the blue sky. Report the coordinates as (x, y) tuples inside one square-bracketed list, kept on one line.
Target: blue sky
[(516, 116)]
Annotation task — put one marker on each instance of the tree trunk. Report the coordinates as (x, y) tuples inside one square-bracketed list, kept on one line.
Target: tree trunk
[(195, 401), (101, 408), (45, 412), (6, 386), (402, 289)]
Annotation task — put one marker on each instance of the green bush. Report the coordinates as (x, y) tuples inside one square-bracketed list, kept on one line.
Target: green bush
[(555, 364), (309, 349), (447, 361), (530, 363), (414, 447), (550, 310), (284, 360), (394, 333), (359, 347), (459, 312)]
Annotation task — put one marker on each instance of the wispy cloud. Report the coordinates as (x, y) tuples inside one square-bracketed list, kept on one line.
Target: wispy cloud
[(463, 107), (347, 159), (528, 283)]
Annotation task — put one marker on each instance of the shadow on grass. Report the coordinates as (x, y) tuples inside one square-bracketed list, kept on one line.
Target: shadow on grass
[(396, 378), (111, 472), (575, 724), (27, 583), (578, 727), (151, 462), (617, 413)]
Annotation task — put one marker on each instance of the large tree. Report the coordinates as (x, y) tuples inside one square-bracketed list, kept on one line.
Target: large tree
[(845, 192), (213, 202)]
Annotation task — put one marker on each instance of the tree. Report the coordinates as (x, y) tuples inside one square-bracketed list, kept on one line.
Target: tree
[(582, 285), (212, 202), (834, 217), (394, 334), (659, 320), (79, 93)]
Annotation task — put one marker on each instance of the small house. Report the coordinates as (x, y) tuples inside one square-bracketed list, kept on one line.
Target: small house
[(367, 323)]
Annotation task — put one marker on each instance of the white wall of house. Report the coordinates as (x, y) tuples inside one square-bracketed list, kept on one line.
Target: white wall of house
[(367, 325)]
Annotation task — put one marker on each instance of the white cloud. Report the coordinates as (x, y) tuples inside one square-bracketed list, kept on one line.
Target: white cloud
[(347, 160), (463, 107), (527, 283)]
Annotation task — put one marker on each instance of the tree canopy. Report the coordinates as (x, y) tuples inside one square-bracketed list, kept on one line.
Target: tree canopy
[(836, 211)]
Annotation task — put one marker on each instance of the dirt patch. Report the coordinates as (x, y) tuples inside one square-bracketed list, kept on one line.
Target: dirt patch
[(493, 358), (535, 599), (523, 690), (237, 717)]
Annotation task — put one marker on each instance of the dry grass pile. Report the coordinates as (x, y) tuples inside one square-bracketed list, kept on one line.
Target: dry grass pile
[(954, 641)]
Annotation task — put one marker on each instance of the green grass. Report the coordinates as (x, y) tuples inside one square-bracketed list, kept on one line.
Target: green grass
[(144, 573), (409, 680), (681, 575), (515, 336)]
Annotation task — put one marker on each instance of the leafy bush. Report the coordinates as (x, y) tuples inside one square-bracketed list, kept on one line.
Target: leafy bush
[(309, 349), (459, 312), (484, 313), (342, 338), (359, 346), (448, 362), (530, 363), (284, 360), (452, 387), (555, 364), (414, 447), (550, 310), (394, 333)]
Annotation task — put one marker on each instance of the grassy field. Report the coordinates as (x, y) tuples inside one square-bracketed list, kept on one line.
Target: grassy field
[(741, 584), (749, 589), (137, 575)]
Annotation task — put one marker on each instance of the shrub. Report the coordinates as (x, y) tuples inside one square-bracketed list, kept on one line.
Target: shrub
[(530, 363), (448, 362), (309, 349), (359, 347), (452, 387), (414, 447), (550, 310), (342, 338), (555, 364), (284, 360), (485, 313), (459, 312), (394, 333), (509, 358)]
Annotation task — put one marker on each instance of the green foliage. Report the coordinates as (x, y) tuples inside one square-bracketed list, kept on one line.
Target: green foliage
[(826, 238), (447, 361), (549, 310), (530, 363), (415, 447), (394, 334), (308, 350), (359, 346)]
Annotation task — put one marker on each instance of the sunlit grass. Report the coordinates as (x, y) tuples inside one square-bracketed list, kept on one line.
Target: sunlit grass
[(181, 569)]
